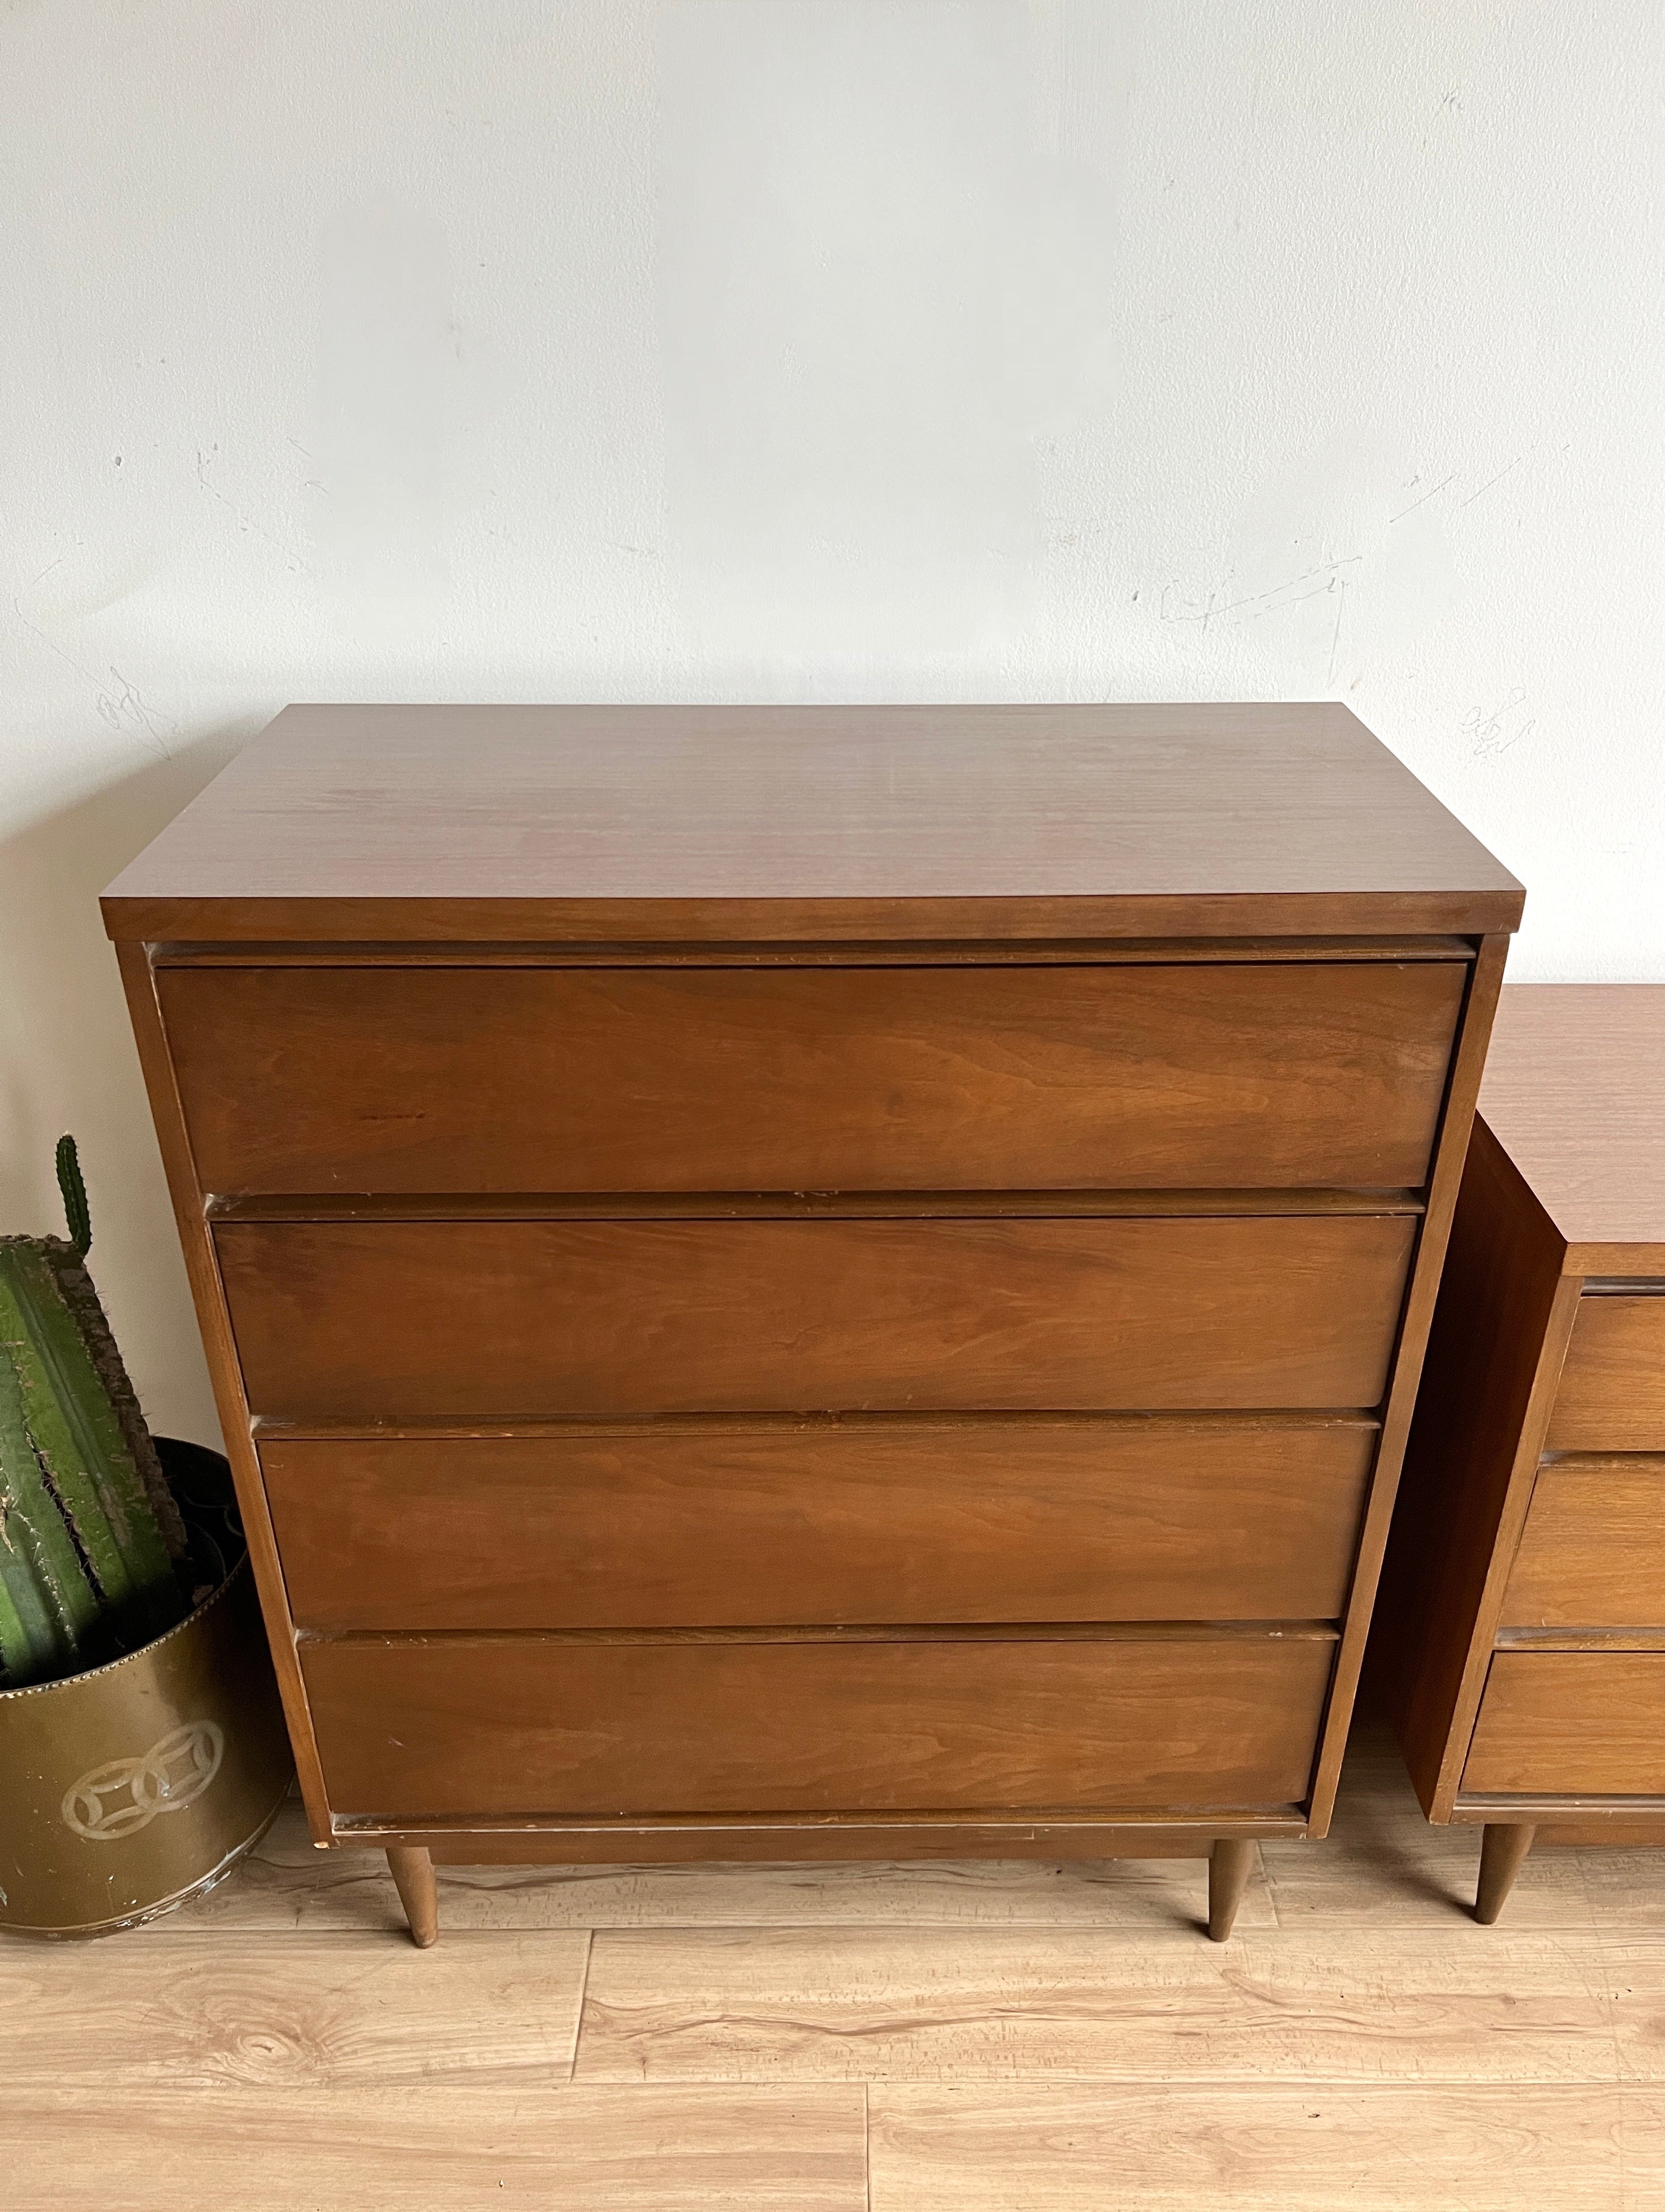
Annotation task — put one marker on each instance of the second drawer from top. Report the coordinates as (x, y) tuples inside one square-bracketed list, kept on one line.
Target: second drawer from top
[(385, 1320), (1314, 1074)]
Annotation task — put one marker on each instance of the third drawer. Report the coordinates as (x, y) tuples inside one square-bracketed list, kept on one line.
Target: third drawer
[(746, 1524), (383, 1321), (1570, 1723)]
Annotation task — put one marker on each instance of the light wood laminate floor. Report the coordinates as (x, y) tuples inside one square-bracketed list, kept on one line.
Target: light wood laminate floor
[(953, 2038)]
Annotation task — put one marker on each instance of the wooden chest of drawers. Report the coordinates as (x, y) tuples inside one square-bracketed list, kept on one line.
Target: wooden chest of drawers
[(1523, 1621), (815, 1282)]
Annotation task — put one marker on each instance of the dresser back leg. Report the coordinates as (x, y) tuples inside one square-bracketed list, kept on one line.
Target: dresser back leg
[(1229, 1864), (413, 1873), (1503, 1847)]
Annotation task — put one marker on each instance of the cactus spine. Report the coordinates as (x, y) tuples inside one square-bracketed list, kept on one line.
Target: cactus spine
[(88, 1532)]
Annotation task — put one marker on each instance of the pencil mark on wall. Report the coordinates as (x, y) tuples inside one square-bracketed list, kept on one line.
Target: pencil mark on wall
[(1498, 731), (1432, 493), (124, 708), (1310, 584), (1497, 479), (130, 703), (206, 456)]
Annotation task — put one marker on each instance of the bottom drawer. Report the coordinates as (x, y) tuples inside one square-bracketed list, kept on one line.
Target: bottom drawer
[(411, 1730), (1576, 1724)]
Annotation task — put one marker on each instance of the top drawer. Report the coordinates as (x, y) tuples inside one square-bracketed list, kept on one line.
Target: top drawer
[(1612, 1394), (545, 1080)]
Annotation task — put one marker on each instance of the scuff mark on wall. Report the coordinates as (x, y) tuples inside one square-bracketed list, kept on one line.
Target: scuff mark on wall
[(1498, 729)]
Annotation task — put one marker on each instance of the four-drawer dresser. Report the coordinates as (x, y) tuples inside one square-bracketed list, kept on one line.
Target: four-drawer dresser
[(814, 1283), (1522, 1622)]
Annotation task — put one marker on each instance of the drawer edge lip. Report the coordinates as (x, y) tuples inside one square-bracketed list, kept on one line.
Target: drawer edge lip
[(1584, 1636), (354, 1829), (1591, 1460), (1477, 1805), (1341, 950), (581, 1428), (974, 1632), (1180, 1203)]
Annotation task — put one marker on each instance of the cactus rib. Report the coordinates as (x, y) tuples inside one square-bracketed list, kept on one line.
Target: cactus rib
[(88, 1528), (81, 1450), (57, 1608)]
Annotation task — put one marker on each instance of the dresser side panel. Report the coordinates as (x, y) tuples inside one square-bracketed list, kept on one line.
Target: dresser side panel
[(1450, 1152), (212, 1319), (1494, 1355)]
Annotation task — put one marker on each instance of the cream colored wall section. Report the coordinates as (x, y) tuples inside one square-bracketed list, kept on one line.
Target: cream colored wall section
[(810, 349)]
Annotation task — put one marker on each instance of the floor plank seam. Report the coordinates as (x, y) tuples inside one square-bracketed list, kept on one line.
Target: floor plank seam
[(583, 1999)]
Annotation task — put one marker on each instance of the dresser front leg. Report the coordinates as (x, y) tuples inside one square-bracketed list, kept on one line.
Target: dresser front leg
[(1503, 1847), (412, 1870), (1229, 1864)]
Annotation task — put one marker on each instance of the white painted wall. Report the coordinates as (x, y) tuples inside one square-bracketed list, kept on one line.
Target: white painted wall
[(809, 349)]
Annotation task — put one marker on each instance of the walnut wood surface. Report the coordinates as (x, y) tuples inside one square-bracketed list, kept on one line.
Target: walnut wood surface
[(378, 1322), (1570, 1722), (608, 840), (737, 823), (1607, 1835), (1493, 1359), (1593, 1551), (740, 1524), (1450, 1151), (299, 1079), (1230, 1863), (1612, 1396), (413, 1877), (1575, 1091), (457, 1726), (225, 1375), (1504, 1848), (845, 1840)]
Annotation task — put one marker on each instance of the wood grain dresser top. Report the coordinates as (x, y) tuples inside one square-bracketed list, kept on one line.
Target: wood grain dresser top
[(644, 824), (1574, 1091)]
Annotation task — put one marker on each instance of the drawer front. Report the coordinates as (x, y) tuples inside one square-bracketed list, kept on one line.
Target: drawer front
[(314, 1079), (1592, 1554), (1581, 1723), (1612, 1396), (750, 1525), (390, 1320), (495, 1727)]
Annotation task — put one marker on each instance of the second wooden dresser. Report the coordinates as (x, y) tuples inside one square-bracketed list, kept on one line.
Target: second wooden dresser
[(814, 1283), (1523, 1630)]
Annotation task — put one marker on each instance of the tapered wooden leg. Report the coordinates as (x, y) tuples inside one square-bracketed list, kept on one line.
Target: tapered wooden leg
[(413, 1872), (1504, 1848), (1229, 1864)]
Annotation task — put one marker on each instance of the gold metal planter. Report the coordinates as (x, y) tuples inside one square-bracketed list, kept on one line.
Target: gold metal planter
[(126, 1789)]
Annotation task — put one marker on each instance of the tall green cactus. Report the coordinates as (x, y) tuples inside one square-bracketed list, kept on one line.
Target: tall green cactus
[(88, 1531)]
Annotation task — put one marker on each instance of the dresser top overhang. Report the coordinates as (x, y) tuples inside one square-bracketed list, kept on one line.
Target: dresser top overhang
[(643, 824)]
